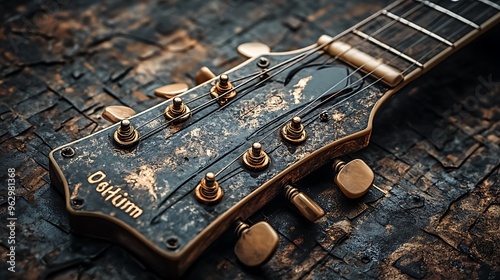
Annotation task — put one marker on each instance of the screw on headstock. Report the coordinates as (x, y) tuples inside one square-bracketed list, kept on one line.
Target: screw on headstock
[(68, 152), (324, 117), (263, 62)]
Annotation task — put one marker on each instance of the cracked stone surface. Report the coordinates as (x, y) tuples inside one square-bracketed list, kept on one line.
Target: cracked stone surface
[(434, 149)]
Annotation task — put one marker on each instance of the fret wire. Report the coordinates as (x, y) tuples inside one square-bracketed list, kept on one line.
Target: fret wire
[(404, 72), (333, 106), (489, 3), (417, 27), (456, 32), (329, 108), (448, 12), (162, 211), (387, 47)]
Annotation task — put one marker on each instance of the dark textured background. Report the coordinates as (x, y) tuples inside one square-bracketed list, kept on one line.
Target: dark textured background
[(435, 146)]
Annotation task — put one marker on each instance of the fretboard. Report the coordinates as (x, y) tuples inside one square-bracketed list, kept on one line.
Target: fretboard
[(413, 36)]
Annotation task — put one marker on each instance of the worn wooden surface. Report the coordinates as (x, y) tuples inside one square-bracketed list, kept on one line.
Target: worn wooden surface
[(435, 146)]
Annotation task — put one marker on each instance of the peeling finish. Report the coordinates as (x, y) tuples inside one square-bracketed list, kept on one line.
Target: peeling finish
[(74, 193), (125, 47), (145, 179), (299, 88)]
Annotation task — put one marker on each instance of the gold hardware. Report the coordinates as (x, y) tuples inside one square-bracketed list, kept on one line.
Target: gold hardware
[(209, 190), (256, 244), (353, 178), (223, 88), (307, 207), (115, 114), (263, 62), (255, 158), (178, 111), (294, 131), (172, 90), (203, 75), (358, 59), (253, 49), (115, 195), (126, 135)]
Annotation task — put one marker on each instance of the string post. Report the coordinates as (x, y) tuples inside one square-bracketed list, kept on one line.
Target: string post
[(177, 112), (209, 190), (223, 90), (126, 135), (255, 158), (294, 131)]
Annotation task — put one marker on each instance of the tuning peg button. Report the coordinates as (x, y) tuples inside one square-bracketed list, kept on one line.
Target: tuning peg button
[(171, 90), (353, 178), (307, 207), (256, 244), (116, 114), (203, 75), (253, 49)]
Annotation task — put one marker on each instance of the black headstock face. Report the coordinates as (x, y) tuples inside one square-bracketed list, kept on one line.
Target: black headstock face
[(143, 196)]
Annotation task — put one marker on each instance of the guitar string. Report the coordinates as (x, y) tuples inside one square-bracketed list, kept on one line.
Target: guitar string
[(250, 77), (265, 71), (240, 156), (312, 51), (295, 59), (222, 180), (359, 91), (212, 101), (203, 106), (362, 78), (383, 52), (177, 188)]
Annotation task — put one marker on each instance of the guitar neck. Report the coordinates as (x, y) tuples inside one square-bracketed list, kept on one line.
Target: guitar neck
[(414, 36)]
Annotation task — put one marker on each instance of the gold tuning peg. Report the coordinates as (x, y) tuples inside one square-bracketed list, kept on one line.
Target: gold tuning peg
[(203, 75), (306, 206), (353, 178), (256, 244), (171, 90), (253, 49), (117, 113)]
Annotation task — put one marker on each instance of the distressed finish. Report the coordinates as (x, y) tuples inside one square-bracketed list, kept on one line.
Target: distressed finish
[(159, 174), (435, 160)]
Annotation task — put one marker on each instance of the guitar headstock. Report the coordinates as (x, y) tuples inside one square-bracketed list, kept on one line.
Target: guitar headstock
[(167, 182)]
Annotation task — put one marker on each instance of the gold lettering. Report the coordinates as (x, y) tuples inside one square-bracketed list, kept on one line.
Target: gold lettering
[(106, 191), (113, 193), (101, 186), (96, 177), (132, 209), (119, 200), (118, 204)]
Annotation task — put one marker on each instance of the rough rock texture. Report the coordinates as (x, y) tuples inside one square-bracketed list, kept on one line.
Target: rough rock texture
[(435, 147)]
